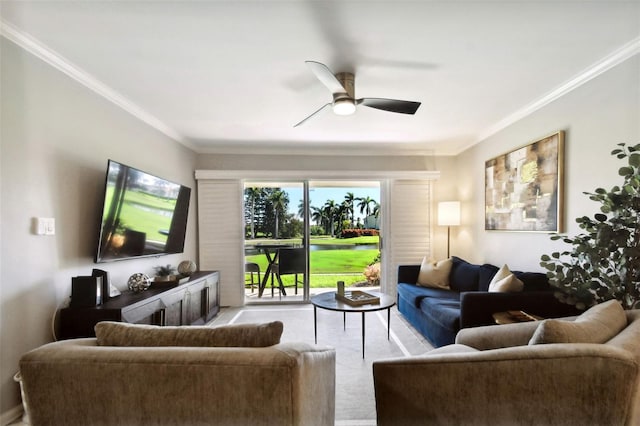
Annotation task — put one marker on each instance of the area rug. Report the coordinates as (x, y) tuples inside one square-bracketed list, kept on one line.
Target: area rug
[(355, 401)]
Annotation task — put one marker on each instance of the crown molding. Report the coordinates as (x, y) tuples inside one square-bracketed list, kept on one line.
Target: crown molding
[(620, 55), (39, 50)]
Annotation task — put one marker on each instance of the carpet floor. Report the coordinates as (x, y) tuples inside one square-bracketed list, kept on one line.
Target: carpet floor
[(355, 400)]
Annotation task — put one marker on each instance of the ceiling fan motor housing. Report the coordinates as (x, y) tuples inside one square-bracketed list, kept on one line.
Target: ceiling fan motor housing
[(347, 80), (344, 103)]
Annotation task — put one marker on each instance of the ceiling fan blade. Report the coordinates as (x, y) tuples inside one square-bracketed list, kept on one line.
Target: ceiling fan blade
[(317, 111), (326, 77), (392, 105)]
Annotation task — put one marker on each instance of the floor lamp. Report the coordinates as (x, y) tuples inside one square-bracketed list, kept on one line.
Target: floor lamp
[(449, 215)]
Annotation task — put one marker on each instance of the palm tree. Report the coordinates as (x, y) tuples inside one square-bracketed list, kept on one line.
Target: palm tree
[(317, 215), (348, 203), (279, 199), (341, 215), (329, 211), (365, 205), (253, 194)]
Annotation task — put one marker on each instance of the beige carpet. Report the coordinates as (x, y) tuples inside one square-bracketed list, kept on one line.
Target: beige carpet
[(355, 402)]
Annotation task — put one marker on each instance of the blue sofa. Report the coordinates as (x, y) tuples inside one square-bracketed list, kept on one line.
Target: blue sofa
[(439, 314)]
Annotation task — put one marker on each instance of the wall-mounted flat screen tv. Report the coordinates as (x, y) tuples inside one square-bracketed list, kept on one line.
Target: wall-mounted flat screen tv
[(142, 215)]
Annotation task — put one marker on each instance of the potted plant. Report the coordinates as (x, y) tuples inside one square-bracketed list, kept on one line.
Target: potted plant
[(164, 273), (604, 261)]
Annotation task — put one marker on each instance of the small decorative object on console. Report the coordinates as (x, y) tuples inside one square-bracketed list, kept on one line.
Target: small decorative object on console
[(139, 282), (164, 273), (357, 298), (187, 267)]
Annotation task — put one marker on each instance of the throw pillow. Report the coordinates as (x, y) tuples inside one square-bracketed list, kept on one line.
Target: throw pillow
[(241, 335), (505, 281), (597, 325), (435, 274), (463, 276)]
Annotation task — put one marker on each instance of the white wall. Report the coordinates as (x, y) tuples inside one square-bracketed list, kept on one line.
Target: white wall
[(56, 138), (595, 117)]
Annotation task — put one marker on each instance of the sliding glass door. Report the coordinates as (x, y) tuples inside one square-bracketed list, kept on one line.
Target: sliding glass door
[(274, 242), (301, 238), (344, 234)]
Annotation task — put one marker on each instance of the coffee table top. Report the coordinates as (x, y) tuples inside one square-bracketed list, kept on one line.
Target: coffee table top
[(328, 301)]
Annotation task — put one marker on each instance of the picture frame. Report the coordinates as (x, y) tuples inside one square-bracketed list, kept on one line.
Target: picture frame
[(524, 188)]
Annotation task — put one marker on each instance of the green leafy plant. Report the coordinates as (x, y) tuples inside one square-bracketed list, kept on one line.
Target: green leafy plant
[(164, 271), (604, 262)]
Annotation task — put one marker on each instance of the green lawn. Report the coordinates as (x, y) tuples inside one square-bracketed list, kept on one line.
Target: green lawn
[(327, 266), (140, 211), (329, 261)]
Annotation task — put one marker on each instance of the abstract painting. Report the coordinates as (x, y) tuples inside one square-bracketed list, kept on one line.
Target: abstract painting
[(523, 188)]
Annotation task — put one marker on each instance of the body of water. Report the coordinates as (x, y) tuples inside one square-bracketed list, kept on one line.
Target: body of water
[(320, 247)]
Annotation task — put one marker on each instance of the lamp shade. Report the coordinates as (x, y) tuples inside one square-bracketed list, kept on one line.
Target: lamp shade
[(449, 213)]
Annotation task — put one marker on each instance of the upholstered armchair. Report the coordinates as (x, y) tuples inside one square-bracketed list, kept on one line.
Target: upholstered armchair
[(580, 371)]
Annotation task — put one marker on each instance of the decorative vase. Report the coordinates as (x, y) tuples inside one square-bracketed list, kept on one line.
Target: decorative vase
[(139, 282), (187, 267)]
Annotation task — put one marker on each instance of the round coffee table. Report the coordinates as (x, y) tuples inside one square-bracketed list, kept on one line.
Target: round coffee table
[(328, 301)]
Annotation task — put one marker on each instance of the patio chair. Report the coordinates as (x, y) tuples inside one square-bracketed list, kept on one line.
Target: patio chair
[(252, 269), (290, 261)]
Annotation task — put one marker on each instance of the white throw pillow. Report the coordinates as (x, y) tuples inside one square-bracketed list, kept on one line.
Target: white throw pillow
[(504, 281), (597, 325), (435, 274)]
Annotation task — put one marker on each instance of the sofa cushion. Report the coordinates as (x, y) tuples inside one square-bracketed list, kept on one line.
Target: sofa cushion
[(464, 275), (414, 294), (445, 312), (435, 274), (455, 348), (241, 335), (533, 281), (597, 325), (485, 274), (505, 281)]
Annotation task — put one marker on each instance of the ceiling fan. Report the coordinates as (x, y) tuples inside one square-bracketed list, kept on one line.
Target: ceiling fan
[(341, 85)]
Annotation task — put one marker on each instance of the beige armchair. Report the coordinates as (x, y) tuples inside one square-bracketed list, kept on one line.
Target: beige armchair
[(493, 376)]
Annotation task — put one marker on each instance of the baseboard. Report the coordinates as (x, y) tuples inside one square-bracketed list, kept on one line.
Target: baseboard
[(11, 416)]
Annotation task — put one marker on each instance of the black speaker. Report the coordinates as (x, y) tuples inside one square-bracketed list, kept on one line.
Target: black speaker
[(104, 283), (85, 291)]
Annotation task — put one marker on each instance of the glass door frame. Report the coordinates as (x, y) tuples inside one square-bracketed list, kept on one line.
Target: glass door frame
[(305, 237), (307, 184)]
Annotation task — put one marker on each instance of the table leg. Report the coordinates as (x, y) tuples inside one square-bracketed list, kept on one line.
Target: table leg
[(265, 278), (363, 335), (315, 323), (344, 321)]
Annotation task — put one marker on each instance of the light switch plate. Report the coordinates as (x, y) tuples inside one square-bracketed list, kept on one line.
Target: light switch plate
[(45, 226)]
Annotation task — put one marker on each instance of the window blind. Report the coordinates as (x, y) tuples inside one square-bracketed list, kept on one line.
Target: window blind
[(407, 233), (221, 236)]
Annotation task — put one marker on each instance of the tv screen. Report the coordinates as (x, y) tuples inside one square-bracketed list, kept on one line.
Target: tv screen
[(142, 215)]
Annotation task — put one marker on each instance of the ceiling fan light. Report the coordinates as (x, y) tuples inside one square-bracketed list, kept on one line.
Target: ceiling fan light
[(344, 106)]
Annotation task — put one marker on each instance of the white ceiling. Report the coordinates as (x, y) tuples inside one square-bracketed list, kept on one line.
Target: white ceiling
[(230, 76)]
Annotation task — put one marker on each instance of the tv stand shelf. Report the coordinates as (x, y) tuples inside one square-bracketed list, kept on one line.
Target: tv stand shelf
[(192, 303)]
